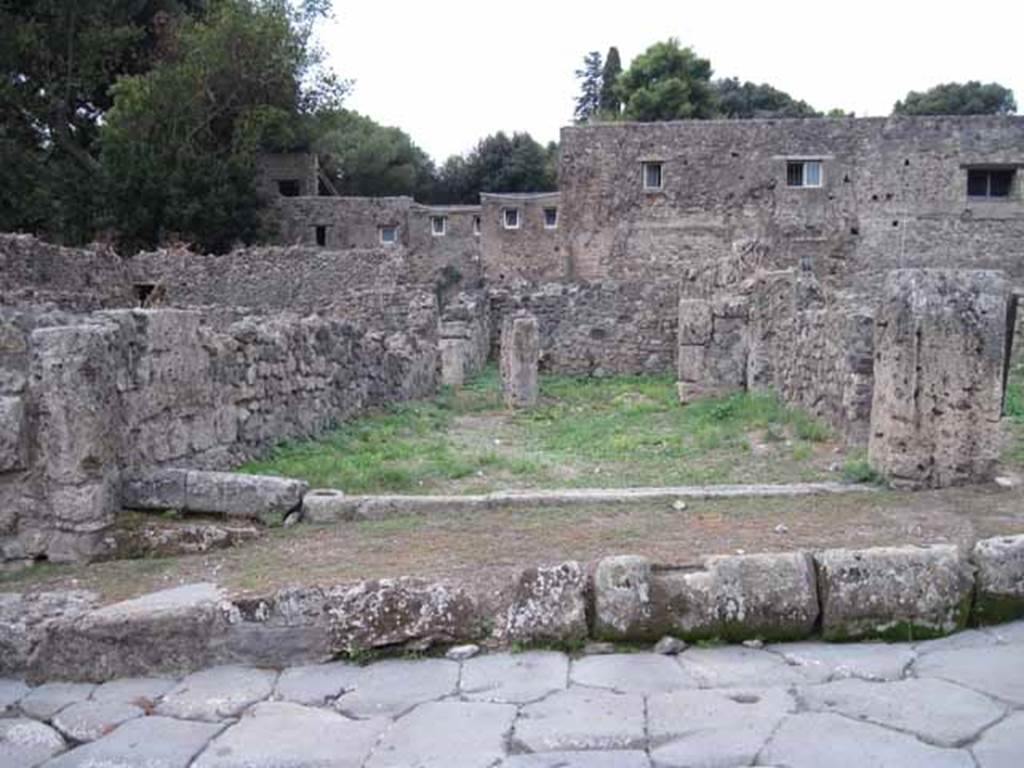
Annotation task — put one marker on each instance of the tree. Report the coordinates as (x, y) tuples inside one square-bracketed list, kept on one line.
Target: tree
[(667, 82), (498, 163), (747, 100), (971, 98), (361, 157), (588, 103), (610, 103), (180, 144)]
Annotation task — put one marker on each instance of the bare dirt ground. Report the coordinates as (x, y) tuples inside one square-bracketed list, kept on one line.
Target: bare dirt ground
[(486, 548)]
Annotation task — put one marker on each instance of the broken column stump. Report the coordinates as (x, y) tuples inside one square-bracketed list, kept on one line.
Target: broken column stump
[(940, 353), (520, 352)]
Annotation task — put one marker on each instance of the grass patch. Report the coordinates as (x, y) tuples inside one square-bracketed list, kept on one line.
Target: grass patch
[(611, 432)]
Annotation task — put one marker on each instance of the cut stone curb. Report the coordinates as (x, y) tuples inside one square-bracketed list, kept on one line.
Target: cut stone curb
[(26, 743), (547, 604), (285, 735), (146, 742), (446, 734), (394, 686), (999, 590), (582, 719), (937, 712), (844, 743), (893, 593), (719, 728), (217, 693), (514, 678)]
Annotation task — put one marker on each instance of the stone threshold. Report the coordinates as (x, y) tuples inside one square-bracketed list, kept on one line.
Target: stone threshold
[(328, 505)]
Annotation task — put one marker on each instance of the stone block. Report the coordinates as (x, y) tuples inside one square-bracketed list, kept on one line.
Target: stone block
[(999, 591), (690, 363), (893, 593), (13, 437), (456, 361), (771, 596), (520, 354), (547, 605), (327, 505), (940, 349), (156, 489), (694, 322), (254, 496)]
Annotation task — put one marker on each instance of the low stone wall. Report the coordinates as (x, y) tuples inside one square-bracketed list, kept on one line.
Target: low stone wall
[(596, 329), (905, 593)]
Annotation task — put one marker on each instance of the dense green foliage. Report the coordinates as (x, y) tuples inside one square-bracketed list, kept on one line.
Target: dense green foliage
[(591, 78), (970, 98), (610, 103), (746, 100), (667, 82), (499, 163)]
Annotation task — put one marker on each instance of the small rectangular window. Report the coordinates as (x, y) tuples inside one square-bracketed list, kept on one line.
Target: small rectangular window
[(803, 173), (289, 187), (476, 225), (652, 176), (511, 218), (550, 218), (321, 236), (438, 226), (997, 183), (388, 235)]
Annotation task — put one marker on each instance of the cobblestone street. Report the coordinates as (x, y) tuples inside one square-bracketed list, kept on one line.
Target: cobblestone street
[(952, 702)]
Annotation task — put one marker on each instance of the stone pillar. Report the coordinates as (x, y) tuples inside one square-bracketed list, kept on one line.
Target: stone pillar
[(940, 352), (456, 344), (74, 382), (712, 347), (520, 351)]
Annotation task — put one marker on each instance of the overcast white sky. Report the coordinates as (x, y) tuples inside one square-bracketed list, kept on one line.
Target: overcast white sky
[(449, 72)]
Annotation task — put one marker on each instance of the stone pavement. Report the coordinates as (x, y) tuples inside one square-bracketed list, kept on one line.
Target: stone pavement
[(956, 702)]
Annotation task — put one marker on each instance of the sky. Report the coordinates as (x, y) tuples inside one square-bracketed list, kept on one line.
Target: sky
[(450, 72)]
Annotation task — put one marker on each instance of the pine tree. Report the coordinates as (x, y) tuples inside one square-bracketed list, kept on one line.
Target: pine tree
[(611, 105), (588, 103)]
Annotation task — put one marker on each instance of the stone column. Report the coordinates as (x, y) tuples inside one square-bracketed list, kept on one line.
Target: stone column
[(520, 351), (940, 352)]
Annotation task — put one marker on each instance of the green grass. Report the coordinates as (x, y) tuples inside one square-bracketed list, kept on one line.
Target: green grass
[(618, 431), (1014, 409)]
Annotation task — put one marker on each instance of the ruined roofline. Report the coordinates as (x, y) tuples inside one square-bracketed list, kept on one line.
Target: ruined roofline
[(441, 208), (761, 121), (519, 195)]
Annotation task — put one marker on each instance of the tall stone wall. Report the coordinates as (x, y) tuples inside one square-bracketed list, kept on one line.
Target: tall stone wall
[(532, 251), (597, 329)]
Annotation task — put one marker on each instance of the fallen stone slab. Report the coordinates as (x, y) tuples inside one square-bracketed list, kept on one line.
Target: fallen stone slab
[(316, 684), (1002, 745), (720, 728), (217, 693), (26, 743), (514, 678), (163, 632), (164, 540), (547, 604), (936, 711), (261, 497), (995, 670), (799, 743), (999, 591), (90, 720), (391, 687), (446, 734), (617, 759), (766, 596), (582, 719), (643, 673), (893, 593), (146, 742), (48, 699), (285, 735)]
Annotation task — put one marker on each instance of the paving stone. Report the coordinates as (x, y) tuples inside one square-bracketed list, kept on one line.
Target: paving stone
[(280, 734), (582, 719), (446, 734), (394, 686), (997, 670), (714, 729), (140, 691), (89, 720), (217, 693), (632, 673), (147, 742), (616, 759), (25, 743), (48, 699), (1002, 746), (731, 666), (11, 692), (970, 638), (813, 740), (514, 677), (317, 683), (938, 712), (1008, 633), (868, 661)]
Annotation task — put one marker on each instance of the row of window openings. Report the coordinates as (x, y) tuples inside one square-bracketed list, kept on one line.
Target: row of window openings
[(808, 173)]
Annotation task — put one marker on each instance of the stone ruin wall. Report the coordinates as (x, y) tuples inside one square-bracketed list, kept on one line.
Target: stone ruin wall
[(86, 394), (531, 252)]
